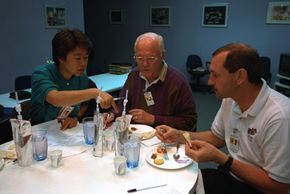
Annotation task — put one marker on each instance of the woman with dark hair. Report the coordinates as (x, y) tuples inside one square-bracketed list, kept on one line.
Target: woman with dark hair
[(65, 83)]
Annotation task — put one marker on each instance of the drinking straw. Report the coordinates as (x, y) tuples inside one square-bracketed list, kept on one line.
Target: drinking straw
[(18, 107), (124, 103), (98, 101)]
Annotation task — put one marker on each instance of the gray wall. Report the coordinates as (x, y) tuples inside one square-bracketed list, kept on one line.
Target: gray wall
[(246, 23), (25, 42)]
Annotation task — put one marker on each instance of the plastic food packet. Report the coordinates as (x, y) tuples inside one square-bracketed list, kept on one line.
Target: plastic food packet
[(186, 135), (64, 112)]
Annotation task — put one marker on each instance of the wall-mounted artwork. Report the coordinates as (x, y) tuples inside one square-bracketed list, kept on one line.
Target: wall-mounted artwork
[(55, 17), (278, 13), (215, 15), (117, 17), (160, 16)]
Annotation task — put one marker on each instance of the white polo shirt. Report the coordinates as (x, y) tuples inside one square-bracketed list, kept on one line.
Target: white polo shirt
[(259, 136)]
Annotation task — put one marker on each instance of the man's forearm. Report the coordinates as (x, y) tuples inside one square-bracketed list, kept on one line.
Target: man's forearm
[(258, 178)]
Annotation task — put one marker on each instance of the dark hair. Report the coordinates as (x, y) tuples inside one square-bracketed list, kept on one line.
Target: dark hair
[(67, 40), (242, 56)]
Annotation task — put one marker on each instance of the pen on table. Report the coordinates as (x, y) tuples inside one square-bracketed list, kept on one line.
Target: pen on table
[(145, 188), (118, 98)]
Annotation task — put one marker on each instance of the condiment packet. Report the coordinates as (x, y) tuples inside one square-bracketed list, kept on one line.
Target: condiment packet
[(64, 112), (186, 135)]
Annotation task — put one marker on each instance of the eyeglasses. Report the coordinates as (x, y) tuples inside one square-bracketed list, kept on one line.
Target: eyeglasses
[(147, 59)]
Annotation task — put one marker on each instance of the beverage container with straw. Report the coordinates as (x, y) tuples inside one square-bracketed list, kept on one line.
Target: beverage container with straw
[(121, 127), (22, 135), (99, 127)]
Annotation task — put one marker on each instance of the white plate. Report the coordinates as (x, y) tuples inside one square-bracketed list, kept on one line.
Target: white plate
[(1, 163), (170, 164), (142, 131)]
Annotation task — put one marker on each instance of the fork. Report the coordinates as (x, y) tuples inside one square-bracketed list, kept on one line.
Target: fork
[(165, 155)]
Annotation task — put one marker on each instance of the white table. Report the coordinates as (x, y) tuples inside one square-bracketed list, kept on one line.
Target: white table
[(10, 102), (108, 82), (84, 173)]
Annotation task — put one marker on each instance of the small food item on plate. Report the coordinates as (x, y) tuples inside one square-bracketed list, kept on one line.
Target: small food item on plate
[(147, 135), (133, 129), (186, 135), (7, 154), (159, 161), (154, 156)]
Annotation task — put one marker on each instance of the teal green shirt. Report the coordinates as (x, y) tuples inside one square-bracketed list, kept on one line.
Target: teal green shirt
[(44, 79)]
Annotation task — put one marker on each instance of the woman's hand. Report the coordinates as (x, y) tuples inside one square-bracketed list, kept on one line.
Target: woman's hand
[(108, 119), (107, 101), (68, 123)]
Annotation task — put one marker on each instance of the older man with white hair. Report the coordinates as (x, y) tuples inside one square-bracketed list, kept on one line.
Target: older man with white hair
[(158, 93)]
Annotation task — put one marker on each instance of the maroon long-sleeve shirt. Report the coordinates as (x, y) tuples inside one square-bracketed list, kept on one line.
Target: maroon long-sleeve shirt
[(174, 103)]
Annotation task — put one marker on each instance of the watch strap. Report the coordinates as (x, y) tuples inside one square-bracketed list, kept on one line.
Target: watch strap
[(226, 167)]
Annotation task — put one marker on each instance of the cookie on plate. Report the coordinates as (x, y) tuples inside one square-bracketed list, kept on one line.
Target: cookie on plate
[(158, 161)]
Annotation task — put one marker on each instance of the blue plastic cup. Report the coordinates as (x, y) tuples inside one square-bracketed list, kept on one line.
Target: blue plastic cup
[(39, 145), (132, 151), (89, 130)]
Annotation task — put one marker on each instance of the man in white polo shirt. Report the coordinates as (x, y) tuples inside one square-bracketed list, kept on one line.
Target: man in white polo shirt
[(253, 122)]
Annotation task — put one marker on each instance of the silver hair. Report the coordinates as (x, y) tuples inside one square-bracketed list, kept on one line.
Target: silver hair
[(153, 36)]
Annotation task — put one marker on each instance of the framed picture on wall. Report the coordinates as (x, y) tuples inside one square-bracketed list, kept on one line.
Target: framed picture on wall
[(55, 17), (160, 16), (117, 16), (278, 13), (215, 15)]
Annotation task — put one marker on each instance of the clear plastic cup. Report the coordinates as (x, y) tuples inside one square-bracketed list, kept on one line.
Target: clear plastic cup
[(89, 129), (39, 145)]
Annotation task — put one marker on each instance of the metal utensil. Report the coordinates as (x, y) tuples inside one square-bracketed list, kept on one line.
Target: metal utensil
[(176, 156), (163, 145), (165, 155)]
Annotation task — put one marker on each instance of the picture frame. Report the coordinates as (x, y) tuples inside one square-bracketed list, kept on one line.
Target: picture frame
[(117, 16), (160, 16), (55, 16), (278, 13), (215, 15)]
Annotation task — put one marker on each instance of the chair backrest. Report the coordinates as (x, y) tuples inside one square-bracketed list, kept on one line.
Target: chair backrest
[(266, 68), (5, 130), (22, 82), (193, 61)]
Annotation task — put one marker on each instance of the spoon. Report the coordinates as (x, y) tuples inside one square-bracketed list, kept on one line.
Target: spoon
[(176, 155)]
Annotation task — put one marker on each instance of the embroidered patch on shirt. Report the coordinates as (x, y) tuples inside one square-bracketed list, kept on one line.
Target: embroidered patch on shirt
[(251, 133), (235, 140)]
